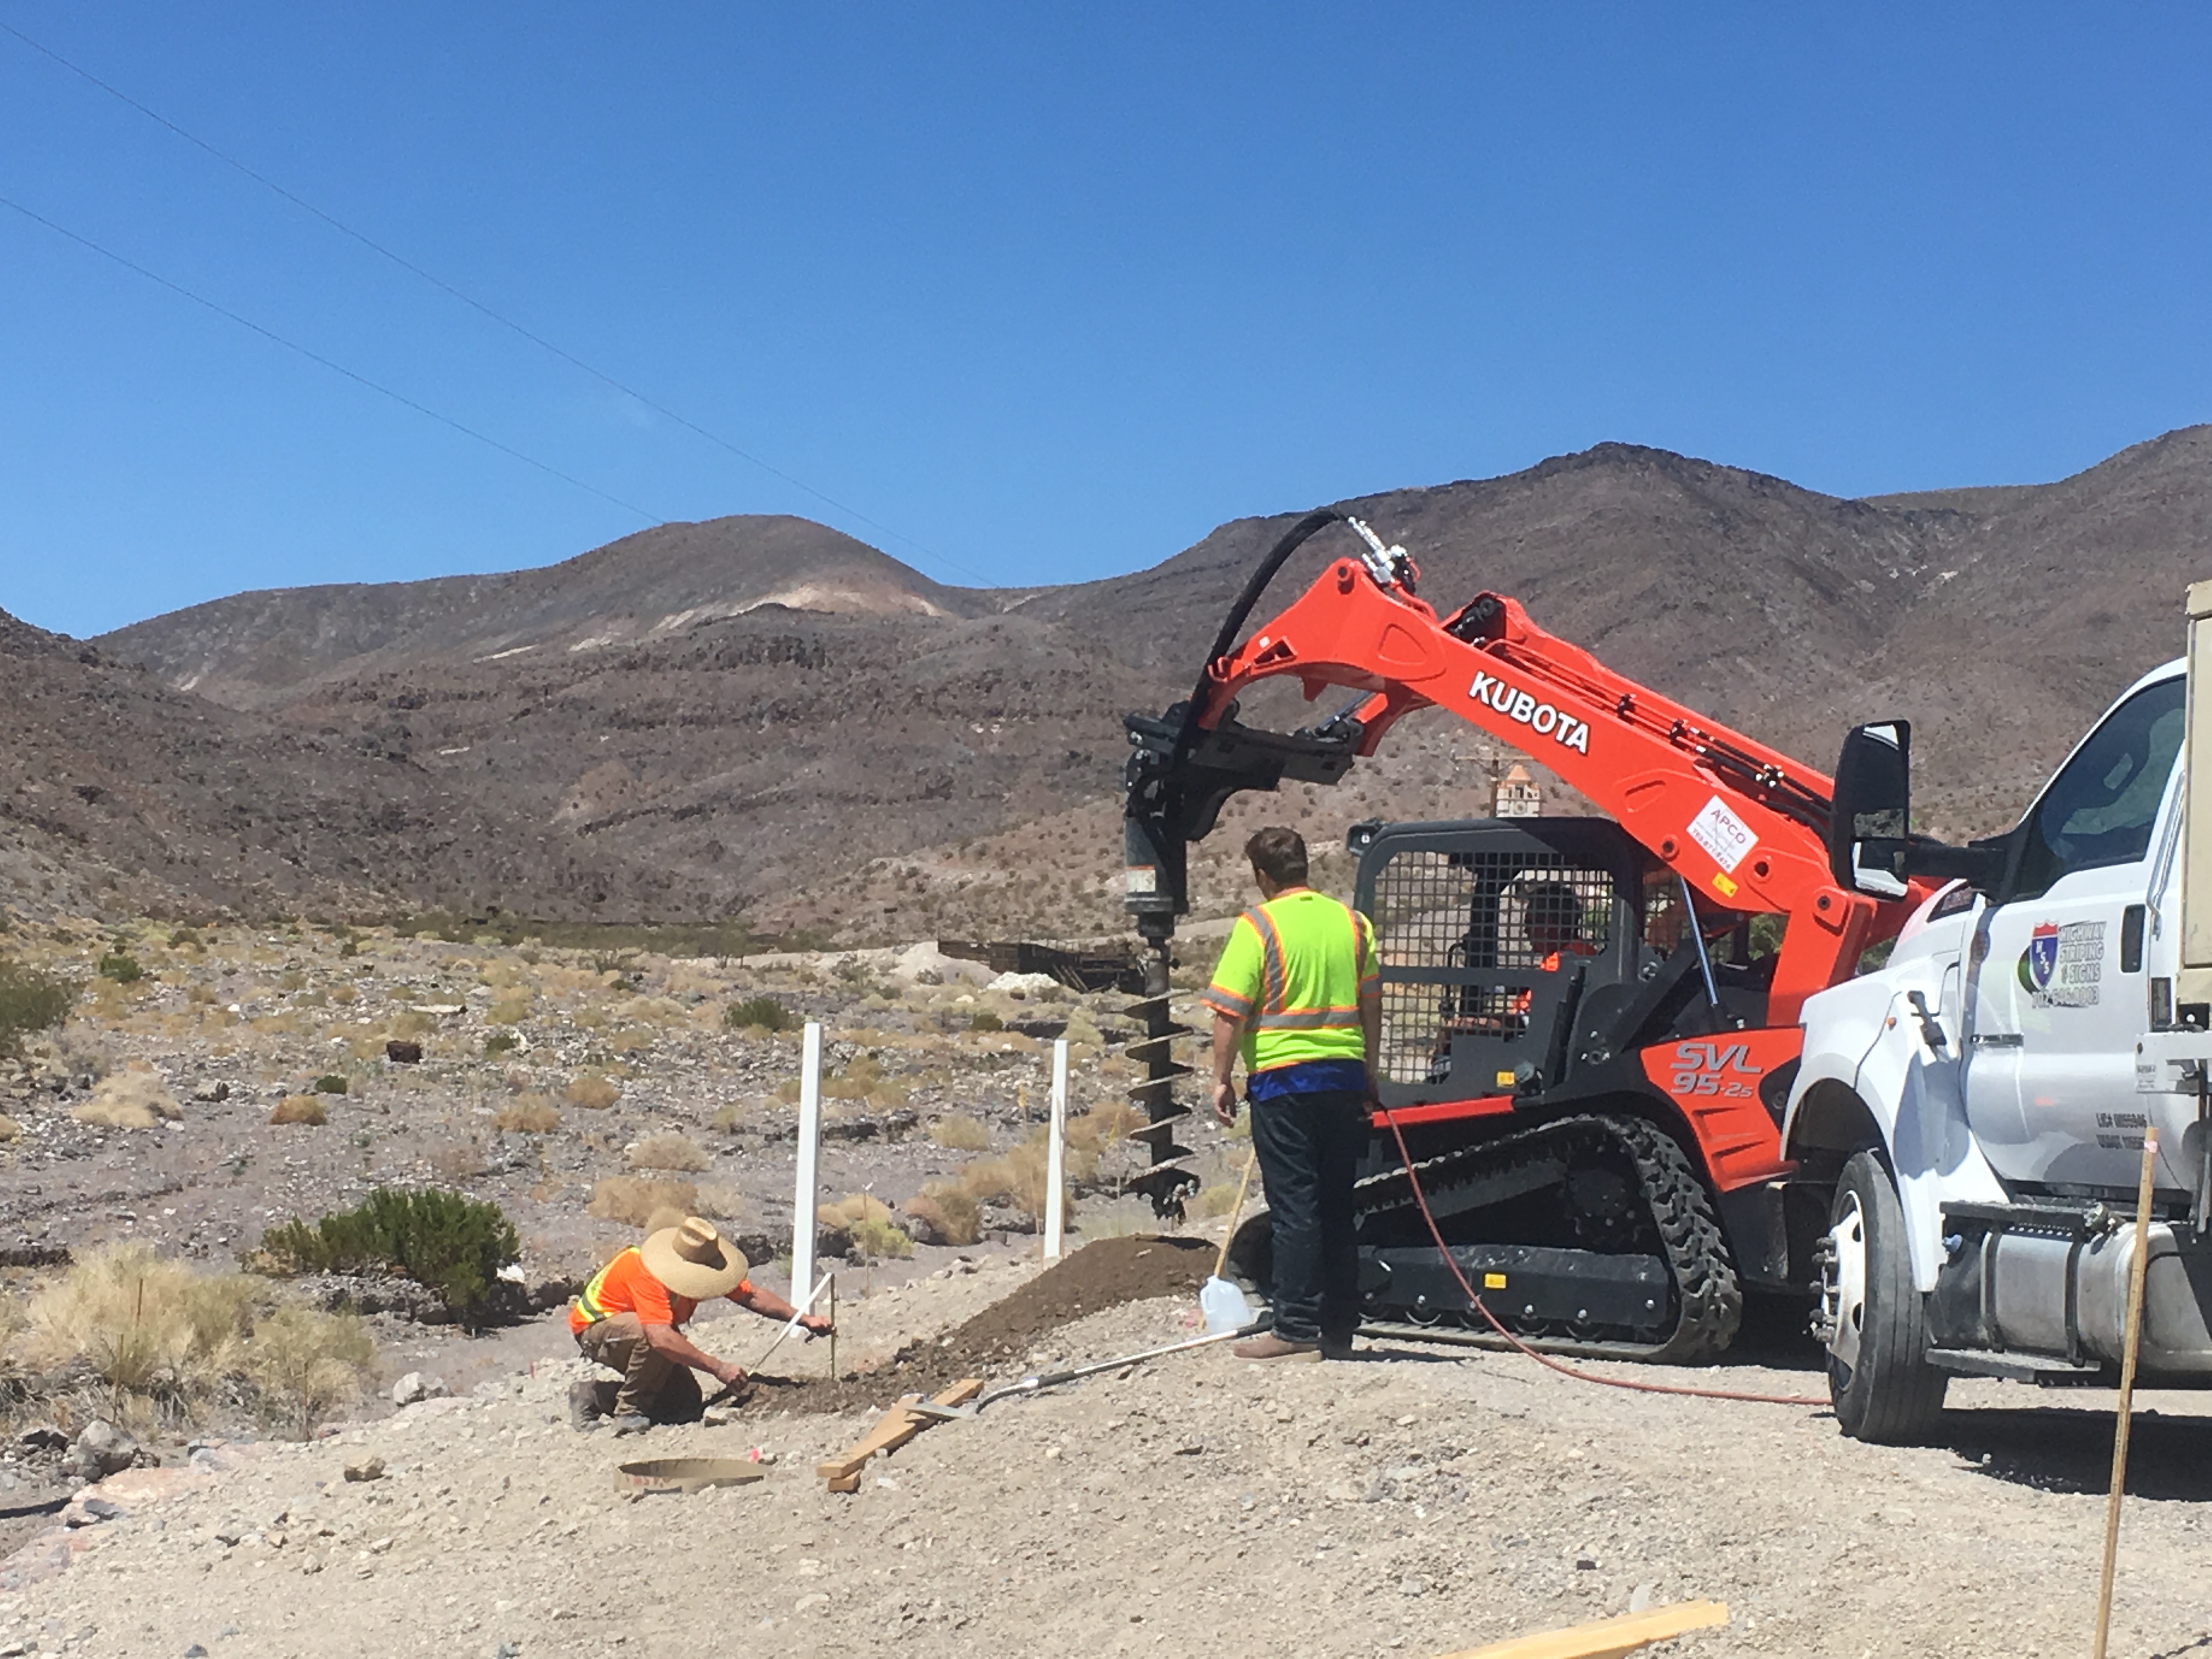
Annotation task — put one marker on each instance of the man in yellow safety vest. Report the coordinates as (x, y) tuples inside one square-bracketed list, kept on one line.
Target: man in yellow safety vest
[(1298, 992)]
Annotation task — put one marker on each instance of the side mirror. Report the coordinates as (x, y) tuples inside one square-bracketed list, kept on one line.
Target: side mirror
[(1869, 825)]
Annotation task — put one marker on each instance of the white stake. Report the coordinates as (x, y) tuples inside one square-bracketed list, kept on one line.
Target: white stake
[(1056, 1153), (810, 1140)]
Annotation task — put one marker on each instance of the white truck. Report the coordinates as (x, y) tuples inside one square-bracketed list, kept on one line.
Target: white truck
[(1977, 1105)]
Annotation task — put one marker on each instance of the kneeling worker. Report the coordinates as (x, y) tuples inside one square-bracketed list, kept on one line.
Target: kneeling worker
[(630, 1319)]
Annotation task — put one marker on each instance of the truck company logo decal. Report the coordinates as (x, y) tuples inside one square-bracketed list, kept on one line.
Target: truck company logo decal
[(1714, 1068), (1541, 717), (1725, 837), (2063, 966)]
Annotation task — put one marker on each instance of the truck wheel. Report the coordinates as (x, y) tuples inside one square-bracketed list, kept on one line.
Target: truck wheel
[(1884, 1391)]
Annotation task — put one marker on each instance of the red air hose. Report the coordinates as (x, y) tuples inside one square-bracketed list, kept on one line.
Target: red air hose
[(1421, 1200)]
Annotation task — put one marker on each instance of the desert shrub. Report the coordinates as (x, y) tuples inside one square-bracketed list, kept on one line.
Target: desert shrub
[(632, 1200), (121, 969), (730, 1117), (984, 1020), (510, 1010), (331, 1083), (31, 1000), (458, 1161), (307, 1109), (960, 1133), (453, 1245), (766, 1012), (144, 1326), (955, 1217), (129, 1100), (789, 1090), (668, 1152), (186, 939), (532, 1114), (500, 1042), (592, 1091), (880, 1238), (304, 1362), (846, 1212)]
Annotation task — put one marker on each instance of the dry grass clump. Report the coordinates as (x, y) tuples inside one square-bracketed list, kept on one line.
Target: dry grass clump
[(146, 1326), (632, 1200), (510, 1010), (307, 1362), (730, 1117), (668, 1152), (129, 1100), (1217, 1201), (719, 1203), (532, 1114), (593, 1091), (863, 1079), (951, 1213), (300, 1108), (1101, 1126), (960, 1133), (1019, 1179)]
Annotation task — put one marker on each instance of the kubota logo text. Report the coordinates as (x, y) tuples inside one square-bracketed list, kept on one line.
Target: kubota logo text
[(1518, 705), (1714, 1068)]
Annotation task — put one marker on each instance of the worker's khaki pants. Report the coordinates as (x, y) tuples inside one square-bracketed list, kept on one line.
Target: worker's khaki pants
[(652, 1385)]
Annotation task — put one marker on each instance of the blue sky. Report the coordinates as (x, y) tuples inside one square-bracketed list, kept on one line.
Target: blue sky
[(1047, 292)]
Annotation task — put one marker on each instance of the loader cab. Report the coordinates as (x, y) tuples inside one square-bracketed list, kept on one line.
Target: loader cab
[(1522, 956)]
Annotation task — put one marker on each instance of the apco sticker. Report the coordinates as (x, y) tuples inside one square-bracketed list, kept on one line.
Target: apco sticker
[(1725, 837), (2063, 966), (1540, 717), (1140, 878)]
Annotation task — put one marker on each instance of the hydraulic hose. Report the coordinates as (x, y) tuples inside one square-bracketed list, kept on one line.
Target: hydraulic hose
[(1420, 1198), (1294, 537)]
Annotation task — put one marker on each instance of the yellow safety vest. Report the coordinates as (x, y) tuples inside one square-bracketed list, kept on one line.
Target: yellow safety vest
[(587, 1302), (1292, 975)]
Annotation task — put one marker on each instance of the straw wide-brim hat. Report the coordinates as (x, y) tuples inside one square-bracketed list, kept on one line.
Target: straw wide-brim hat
[(693, 1260)]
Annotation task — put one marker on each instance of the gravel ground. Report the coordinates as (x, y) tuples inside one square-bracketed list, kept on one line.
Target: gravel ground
[(1409, 1502)]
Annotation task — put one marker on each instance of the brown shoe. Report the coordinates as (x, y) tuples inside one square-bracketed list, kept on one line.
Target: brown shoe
[(1271, 1346)]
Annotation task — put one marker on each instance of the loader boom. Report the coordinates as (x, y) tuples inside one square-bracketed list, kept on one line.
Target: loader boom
[(1742, 823)]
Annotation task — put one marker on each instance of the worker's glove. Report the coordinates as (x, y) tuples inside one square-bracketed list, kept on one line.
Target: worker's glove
[(730, 1376), (816, 1325)]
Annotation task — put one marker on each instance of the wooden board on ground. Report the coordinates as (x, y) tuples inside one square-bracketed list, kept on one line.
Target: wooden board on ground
[(893, 1430), (1609, 1638)]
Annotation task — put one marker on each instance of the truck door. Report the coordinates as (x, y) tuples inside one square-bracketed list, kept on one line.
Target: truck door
[(2057, 1001)]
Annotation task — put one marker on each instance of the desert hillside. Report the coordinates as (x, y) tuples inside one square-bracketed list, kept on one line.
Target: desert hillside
[(761, 719)]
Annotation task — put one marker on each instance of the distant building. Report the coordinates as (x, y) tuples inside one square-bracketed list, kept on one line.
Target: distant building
[(1517, 795)]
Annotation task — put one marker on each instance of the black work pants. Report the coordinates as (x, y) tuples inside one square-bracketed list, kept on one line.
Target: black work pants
[(1309, 1147)]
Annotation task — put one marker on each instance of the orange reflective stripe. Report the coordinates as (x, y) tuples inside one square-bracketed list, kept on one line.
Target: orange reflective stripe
[(1275, 975)]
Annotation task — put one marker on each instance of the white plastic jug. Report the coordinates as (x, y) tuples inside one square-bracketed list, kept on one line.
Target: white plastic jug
[(1223, 1306)]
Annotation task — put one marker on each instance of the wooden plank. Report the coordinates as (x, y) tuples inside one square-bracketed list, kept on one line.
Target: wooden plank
[(893, 1430), (1609, 1638)]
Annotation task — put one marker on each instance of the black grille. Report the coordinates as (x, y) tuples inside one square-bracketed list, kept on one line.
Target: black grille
[(1477, 946)]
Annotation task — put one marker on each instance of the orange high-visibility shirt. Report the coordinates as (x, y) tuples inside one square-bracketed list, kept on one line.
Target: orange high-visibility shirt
[(626, 1286)]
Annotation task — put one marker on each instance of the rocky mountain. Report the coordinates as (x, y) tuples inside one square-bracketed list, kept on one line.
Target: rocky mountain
[(761, 717), (258, 650)]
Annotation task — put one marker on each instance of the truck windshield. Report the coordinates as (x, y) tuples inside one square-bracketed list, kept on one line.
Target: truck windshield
[(2100, 808)]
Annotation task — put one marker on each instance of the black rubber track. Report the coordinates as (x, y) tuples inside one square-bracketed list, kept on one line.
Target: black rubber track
[(1708, 1299)]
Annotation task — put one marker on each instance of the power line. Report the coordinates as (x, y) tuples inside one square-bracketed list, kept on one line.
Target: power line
[(335, 368), (475, 304)]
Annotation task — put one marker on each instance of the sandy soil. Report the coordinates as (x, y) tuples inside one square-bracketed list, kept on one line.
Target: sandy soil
[(1407, 1502)]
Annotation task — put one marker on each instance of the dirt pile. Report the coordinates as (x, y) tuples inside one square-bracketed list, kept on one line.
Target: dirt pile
[(995, 1343)]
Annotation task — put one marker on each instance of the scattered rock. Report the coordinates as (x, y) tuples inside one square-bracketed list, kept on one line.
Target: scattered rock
[(370, 1467), (208, 1093), (43, 1436), (415, 1388), (404, 1054), (103, 1449)]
